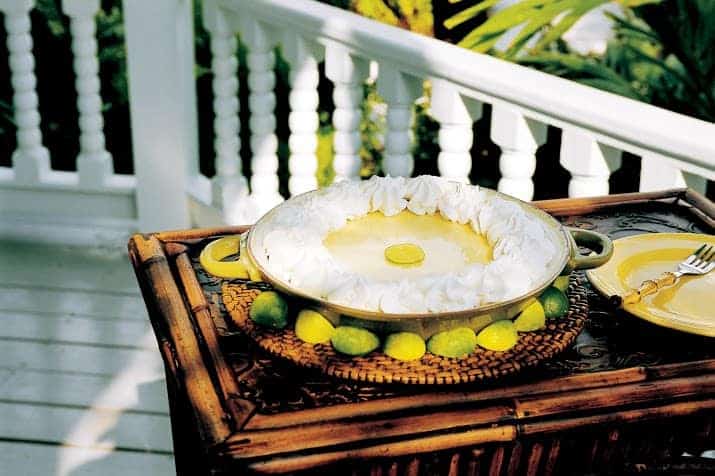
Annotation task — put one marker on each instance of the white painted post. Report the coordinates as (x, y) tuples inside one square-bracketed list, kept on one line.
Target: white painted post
[(94, 163), (456, 115), (589, 163), (262, 102), (400, 91), (347, 73), (304, 56), (518, 138), (229, 188), (30, 160), (162, 96), (659, 174)]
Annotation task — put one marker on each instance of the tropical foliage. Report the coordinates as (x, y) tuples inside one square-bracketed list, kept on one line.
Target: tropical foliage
[(661, 53)]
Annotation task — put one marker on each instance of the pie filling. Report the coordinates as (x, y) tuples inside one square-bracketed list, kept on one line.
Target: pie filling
[(363, 245)]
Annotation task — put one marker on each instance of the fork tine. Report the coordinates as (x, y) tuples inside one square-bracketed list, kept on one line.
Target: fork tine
[(700, 256), (697, 252), (693, 258), (703, 262)]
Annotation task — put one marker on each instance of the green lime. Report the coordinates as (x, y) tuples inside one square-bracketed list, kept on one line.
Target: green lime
[(354, 340), (458, 342), (555, 302), (531, 319), (404, 346), (499, 336), (269, 309), (313, 328), (562, 283)]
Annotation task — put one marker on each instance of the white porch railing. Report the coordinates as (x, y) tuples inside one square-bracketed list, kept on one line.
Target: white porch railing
[(167, 190)]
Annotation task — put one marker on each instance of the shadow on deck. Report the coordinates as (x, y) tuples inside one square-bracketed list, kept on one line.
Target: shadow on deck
[(81, 383)]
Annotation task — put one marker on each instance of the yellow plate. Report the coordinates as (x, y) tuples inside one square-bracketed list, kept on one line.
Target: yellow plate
[(688, 306)]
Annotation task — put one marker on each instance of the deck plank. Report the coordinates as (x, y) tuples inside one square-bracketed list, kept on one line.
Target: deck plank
[(66, 267), (91, 428), (45, 460), (30, 298), (76, 329), (140, 392), (63, 357)]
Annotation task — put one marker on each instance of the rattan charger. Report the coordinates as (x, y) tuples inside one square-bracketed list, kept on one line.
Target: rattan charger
[(376, 367)]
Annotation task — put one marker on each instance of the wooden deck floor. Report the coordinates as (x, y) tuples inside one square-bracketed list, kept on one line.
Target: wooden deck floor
[(81, 382)]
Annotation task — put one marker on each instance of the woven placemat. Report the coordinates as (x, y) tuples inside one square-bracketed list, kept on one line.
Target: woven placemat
[(376, 367)]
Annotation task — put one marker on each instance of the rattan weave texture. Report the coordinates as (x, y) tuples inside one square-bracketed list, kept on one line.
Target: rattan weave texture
[(532, 348)]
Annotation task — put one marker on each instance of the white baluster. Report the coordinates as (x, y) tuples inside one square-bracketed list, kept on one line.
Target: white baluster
[(658, 173), (262, 103), (518, 138), (589, 163), (304, 57), (400, 91), (30, 160), (456, 115), (94, 163), (229, 187), (348, 73)]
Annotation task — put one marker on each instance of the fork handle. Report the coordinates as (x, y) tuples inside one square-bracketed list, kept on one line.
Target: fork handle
[(648, 287)]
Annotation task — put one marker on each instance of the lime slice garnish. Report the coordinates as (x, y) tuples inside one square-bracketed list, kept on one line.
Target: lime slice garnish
[(404, 253)]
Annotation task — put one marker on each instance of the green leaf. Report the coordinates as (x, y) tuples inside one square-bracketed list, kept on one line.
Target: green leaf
[(636, 3), (565, 24), (512, 16), (608, 85), (468, 13)]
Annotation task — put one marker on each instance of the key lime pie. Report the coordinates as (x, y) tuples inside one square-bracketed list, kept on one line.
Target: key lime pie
[(407, 246)]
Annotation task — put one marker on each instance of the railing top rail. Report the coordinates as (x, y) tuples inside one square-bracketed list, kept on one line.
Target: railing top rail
[(615, 120)]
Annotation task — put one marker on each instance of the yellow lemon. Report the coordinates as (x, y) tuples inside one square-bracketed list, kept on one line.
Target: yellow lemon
[(269, 309), (562, 283), (212, 255), (499, 336), (405, 346), (531, 319), (312, 327), (404, 253)]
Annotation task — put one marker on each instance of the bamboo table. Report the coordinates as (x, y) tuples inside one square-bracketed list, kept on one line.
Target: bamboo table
[(628, 396)]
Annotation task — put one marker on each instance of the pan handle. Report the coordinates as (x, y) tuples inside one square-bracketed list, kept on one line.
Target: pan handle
[(592, 240)]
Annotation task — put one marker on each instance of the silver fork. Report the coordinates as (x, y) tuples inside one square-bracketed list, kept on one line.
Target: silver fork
[(702, 261)]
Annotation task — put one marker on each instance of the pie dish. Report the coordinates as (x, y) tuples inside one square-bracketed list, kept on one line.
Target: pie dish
[(485, 255)]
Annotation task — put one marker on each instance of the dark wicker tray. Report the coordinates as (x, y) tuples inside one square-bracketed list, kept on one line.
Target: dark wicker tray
[(532, 348)]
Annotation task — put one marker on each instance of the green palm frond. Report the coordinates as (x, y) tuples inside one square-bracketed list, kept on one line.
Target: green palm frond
[(549, 18)]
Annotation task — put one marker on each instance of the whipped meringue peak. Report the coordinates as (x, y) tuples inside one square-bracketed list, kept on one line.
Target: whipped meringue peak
[(444, 218)]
